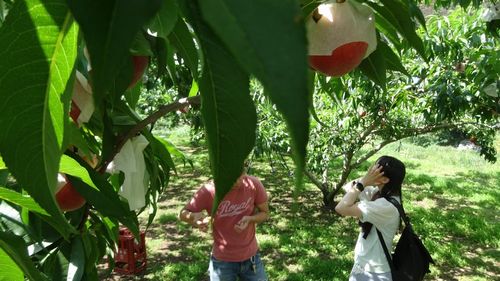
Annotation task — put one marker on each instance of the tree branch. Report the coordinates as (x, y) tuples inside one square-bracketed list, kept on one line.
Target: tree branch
[(346, 170), (408, 133), (162, 111), (315, 181), (368, 130), (348, 167), (431, 128), (371, 153)]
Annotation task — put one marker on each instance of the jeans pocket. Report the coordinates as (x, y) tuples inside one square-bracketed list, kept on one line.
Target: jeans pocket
[(258, 260), (222, 270)]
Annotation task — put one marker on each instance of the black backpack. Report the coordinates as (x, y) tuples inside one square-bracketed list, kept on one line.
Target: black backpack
[(410, 261)]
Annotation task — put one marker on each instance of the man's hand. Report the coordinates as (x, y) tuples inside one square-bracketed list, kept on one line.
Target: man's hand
[(243, 223), (200, 221), (196, 219)]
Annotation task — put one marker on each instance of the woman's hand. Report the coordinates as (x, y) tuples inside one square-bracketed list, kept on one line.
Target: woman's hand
[(373, 176)]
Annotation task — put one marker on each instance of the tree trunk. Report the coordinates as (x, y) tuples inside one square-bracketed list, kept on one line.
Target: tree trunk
[(329, 191), (346, 170), (322, 186)]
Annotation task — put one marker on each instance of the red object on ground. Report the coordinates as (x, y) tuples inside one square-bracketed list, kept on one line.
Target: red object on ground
[(130, 257)]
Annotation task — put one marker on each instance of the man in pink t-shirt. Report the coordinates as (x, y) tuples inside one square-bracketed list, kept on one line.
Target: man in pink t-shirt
[(234, 250)]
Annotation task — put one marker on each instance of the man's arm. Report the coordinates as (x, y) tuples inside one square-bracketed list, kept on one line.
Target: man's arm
[(261, 215)]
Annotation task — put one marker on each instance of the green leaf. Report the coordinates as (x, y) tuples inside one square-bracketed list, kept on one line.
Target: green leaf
[(11, 219), (170, 64), (38, 53), (312, 77), (384, 13), (54, 264), (464, 3), (98, 192), (71, 167), (2, 12), (415, 12), (385, 27), (164, 21), (375, 68), (161, 150), (111, 227), (20, 200), (109, 27), (228, 112), (108, 138), (15, 248), (4, 175), (10, 270), (268, 38), (173, 150), (140, 45), (392, 60), (132, 95), (106, 201), (405, 25), (76, 264), (75, 138), (59, 263), (91, 250), (194, 89), (182, 40)]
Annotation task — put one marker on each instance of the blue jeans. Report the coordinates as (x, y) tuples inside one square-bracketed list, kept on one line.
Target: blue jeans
[(231, 271)]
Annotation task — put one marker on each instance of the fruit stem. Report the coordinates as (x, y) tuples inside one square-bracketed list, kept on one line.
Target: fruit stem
[(340, 1), (316, 15)]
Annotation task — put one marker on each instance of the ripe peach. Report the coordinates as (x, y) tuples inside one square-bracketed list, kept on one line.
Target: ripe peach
[(340, 36), (67, 197)]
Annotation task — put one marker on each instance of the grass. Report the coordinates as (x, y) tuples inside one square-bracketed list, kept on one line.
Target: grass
[(451, 196)]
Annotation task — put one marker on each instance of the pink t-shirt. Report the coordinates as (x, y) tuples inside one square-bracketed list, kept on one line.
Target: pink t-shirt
[(241, 201)]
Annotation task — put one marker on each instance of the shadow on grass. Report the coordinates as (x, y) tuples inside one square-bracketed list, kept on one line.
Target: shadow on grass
[(303, 241), (454, 217)]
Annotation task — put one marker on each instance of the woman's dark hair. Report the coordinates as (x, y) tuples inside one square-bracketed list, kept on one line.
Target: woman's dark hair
[(395, 171)]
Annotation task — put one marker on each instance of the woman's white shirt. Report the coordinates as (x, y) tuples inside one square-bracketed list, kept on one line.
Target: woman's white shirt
[(368, 254)]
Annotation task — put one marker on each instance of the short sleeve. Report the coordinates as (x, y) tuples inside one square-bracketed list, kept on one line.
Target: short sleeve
[(378, 212), (261, 194), (367, 193), (202, 199)]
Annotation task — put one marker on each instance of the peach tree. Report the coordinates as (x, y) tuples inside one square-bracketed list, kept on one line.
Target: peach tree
[(56, 55), (353, 118)]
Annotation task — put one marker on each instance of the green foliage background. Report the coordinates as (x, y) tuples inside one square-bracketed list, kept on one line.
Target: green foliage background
[(243, 65)]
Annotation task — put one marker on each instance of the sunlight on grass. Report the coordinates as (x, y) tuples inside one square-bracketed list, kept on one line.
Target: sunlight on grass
[(181, 272), (451, 196), (167, 218), (267, 241)]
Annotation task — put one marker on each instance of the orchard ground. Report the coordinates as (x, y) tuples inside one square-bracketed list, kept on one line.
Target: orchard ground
[(451, 196)]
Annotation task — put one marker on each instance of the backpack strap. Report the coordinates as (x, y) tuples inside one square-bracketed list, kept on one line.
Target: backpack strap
[(405, 218), (401, 210), (386, 252)]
